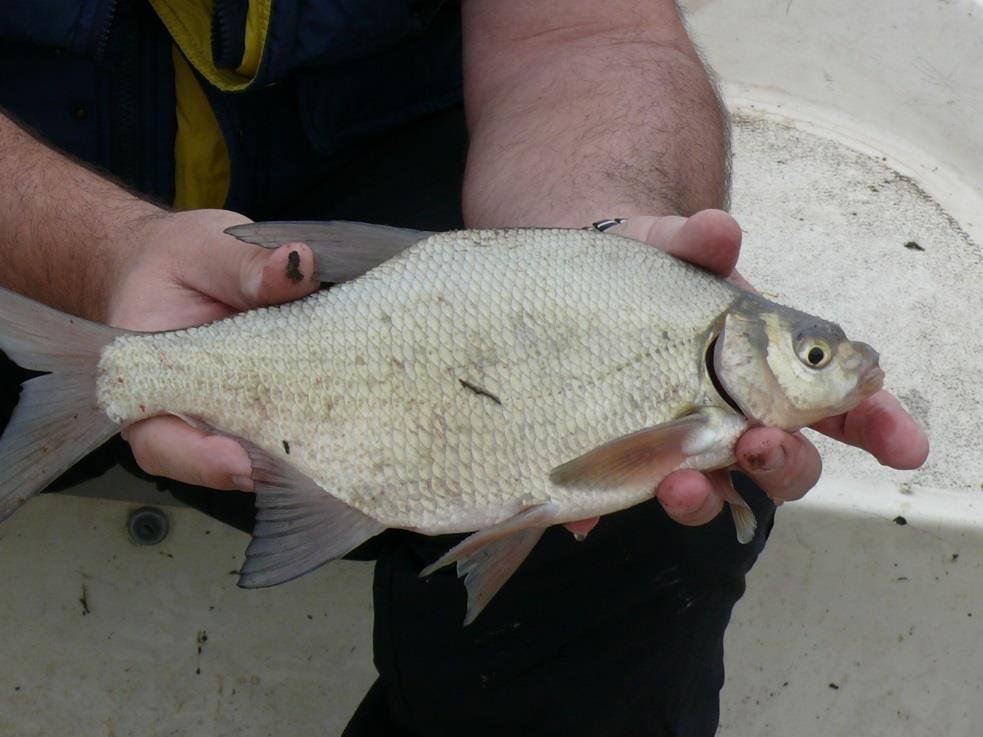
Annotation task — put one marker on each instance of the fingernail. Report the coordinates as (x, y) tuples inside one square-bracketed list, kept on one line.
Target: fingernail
[(580, 536), (775, 459), (242, 483)]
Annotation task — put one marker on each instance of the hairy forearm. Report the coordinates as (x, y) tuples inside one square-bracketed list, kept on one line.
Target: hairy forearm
[(64, 230), (590, 111)]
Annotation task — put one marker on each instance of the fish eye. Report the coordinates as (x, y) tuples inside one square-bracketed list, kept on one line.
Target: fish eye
[(814, 353)]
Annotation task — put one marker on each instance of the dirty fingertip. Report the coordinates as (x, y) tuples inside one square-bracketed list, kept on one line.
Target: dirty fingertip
[(288, 274), (785, 465), (761, 451)]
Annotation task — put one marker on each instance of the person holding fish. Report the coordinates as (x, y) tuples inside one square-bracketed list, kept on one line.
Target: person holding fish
[(510, 383)]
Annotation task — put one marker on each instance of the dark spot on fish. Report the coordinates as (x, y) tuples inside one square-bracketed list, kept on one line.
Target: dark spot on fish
[(119, 379), (479, 391), (900, 578), (954, 558), (293, 267), (201, 639), (197, 671), (84, 601), (834, 686), (286, 447), (900, 521), (143, 409), (913, 246)]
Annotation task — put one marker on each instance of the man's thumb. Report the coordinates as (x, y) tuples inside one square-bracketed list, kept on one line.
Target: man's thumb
[(273, 277)]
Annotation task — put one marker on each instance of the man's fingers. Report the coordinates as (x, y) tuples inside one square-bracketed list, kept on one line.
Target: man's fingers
[(223, 268), (882, 427), (244, 276), (785, 466), (709, 238), (283, 275), (688, 498), (166, 446)]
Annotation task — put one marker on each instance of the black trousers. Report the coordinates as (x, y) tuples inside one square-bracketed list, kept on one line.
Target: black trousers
[(619, 635)]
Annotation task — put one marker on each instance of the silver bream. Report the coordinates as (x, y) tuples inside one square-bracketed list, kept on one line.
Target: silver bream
[(501, 381)]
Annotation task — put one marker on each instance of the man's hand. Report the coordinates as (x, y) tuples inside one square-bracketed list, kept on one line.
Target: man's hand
[(183, 271), (77, 241), (784, 465)]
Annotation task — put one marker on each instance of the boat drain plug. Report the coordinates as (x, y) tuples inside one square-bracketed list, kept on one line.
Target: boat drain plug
[(148, 526)]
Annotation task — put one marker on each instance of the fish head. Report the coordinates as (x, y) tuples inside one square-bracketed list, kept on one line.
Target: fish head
[(788, 369)]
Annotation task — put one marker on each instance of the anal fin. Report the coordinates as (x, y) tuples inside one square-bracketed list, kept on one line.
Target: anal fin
[(489, 557)]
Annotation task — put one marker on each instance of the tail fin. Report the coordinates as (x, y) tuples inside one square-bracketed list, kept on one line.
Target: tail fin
[(57, 420)]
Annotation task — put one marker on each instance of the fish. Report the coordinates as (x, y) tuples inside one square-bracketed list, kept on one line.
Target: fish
[(492, 382)]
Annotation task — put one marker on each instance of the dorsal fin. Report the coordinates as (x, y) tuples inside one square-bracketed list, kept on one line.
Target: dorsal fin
[(342, 250)]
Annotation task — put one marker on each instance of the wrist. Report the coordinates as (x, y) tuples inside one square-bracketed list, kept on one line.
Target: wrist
[(117, 253)]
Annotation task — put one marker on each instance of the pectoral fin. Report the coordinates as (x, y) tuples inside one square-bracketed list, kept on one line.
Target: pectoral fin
[(489, 557), (703, 440), (342, 250), (640, 460)]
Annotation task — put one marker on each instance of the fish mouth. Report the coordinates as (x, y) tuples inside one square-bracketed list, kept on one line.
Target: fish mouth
[(872, 379), (709, 360)]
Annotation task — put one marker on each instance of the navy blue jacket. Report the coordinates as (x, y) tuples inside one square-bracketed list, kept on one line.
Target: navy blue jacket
[(95, 78)]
